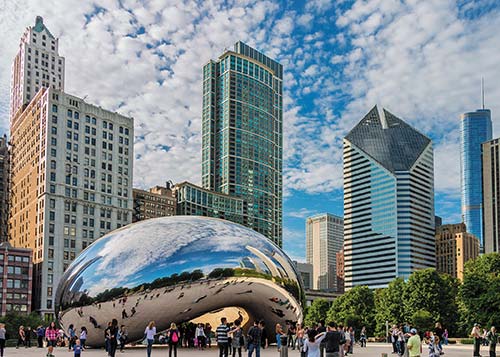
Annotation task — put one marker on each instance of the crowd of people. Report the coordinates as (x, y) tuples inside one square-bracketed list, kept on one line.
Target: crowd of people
[(318, 340)]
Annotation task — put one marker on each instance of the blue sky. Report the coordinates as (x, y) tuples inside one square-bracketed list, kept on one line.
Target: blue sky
[(421, 59)]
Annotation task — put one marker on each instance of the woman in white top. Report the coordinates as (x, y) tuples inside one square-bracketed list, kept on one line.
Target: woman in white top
[(200, 336), (311, 344), (150, 333)]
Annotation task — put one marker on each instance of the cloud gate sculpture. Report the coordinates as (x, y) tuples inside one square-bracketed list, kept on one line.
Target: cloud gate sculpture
[(176, 269)]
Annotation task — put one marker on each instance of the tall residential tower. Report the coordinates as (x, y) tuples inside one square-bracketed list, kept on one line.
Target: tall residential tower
[(388, 201), (324, 239), (242, 131), (475, 129)]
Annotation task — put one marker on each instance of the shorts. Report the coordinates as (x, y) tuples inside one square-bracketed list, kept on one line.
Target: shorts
[(52, 343)]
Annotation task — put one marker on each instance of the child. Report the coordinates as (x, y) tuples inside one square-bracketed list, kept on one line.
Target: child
[(77, 348)]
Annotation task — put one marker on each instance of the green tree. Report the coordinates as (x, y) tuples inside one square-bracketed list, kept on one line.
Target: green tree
[(316, 312), (357, 302), (389, 305), (422, 320), (479, 294), (13, 320), (435, 293)]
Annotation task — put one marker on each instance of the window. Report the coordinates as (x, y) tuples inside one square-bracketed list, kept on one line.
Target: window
[(54, 108)]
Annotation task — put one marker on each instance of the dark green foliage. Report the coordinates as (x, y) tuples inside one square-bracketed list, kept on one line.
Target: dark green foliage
[(357, 306), (13, 320), (389, 305), (422, 320), (435, 293), (480, 292), (316, 312)]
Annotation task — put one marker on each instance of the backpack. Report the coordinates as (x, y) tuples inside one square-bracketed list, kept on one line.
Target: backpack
[(174, 337)]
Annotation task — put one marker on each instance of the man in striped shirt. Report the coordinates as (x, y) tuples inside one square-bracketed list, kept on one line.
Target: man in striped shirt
[(222, 337)]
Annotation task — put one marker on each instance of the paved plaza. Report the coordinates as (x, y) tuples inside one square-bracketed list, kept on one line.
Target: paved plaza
[(375, 350)]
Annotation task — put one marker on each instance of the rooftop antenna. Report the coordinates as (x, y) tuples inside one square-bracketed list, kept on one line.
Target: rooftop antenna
[(482, 91)]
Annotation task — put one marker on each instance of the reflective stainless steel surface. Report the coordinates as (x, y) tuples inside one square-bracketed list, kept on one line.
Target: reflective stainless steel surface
[(174, 269)]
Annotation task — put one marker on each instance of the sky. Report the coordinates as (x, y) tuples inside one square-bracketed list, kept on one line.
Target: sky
[(421, 59)]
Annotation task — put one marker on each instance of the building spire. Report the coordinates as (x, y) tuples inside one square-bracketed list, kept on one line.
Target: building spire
[(482, 91)]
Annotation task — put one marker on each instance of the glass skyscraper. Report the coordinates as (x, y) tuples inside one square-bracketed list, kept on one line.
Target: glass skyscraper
[(475, 129), (242, 134), (388, 201)]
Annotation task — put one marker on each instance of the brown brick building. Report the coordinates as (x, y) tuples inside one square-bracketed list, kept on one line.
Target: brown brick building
[(16, 269), (157, 202)]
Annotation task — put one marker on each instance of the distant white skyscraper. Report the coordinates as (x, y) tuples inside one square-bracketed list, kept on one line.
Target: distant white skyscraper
[(388, 201), (36, 65), (324, 239), (71, 166)]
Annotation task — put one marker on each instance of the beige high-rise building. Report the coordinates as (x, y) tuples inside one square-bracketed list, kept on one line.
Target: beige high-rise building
[(71, 171), (36, 65), (324, 239), (454, 247), (491, 196), (157, 202)]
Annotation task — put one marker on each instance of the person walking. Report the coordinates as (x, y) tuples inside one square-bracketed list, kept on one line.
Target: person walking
[(83, 337), (400, 342), (362, 337), (254, 336), (237, 340), (27, 334), (300, 336), (123, 337), (492, 338), (264, 341), (2, 338), (77, 348), (51, 334), (445, 336), (113, 337), (333, 340), (438, 332), (173, 336), (21, 337), (414, 344), (291, 334), (40, 334), (394, 339), (476, 335), (311, 345), (222, 337), (71, 337), (347, 345), (200, 336), (279, 333), (149, 334)]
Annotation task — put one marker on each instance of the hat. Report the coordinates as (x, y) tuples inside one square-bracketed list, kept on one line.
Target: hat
[(476, 324), (413, 331)]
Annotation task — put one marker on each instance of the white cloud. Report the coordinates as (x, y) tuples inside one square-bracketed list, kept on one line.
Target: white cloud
[(302, 213)]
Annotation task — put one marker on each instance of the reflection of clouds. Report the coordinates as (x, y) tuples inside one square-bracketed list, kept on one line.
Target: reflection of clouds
[(127, 254)]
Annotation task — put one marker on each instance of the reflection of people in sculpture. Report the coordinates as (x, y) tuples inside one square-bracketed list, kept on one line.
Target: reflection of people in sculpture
[(133, 311), (124, 314), (94, 322)]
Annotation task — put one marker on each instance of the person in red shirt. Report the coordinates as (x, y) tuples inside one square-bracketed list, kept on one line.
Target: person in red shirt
[(51, 334)]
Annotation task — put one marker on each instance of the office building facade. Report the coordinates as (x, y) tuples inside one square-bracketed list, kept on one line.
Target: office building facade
[(306, 273), (491, 196), (388, 201), (16, 269), (71, 180), (4, 188), (157, 202), (36, 65), (193, 200), (242, 134), (324, 239), (475, 129), (454, 247)]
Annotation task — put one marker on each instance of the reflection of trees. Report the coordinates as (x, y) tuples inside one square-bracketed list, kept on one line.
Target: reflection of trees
[(83, 299)]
